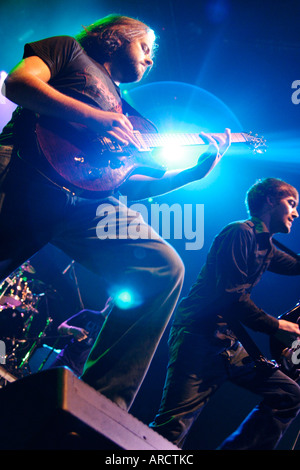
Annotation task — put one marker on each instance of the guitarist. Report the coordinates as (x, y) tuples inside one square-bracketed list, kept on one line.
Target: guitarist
[(204, 347), (77, 80)]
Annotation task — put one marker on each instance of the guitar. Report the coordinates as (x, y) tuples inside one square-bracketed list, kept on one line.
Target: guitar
[(95, 166), (284, 349)]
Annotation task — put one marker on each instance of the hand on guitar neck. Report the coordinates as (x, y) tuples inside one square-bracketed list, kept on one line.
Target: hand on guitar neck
[(218, 145), (141, 186)]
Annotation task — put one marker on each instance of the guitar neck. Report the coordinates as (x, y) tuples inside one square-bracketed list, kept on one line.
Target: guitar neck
[(182, 139)]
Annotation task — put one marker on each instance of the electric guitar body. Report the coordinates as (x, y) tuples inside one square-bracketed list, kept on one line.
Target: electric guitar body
[(90, 165)]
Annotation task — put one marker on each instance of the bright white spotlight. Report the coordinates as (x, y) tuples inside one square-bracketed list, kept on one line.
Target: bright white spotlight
[(172, 154)]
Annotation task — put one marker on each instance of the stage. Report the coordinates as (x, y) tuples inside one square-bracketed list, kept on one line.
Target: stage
[(54, 409)]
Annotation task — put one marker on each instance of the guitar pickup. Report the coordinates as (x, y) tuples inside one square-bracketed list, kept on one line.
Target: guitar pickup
[(112, 146)]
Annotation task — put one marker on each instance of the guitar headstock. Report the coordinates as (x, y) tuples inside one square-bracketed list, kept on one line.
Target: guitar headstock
[(256, 143)]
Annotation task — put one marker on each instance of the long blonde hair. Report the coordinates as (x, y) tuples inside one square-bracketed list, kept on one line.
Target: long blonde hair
[(102, 38)]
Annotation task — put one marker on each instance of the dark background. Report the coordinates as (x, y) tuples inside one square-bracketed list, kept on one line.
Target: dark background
[(219, 63)]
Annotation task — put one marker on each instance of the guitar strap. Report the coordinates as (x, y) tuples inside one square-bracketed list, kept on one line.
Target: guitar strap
[(130, 111), (249, 345)]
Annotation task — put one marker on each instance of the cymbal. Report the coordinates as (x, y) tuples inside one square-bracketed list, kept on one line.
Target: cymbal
[(10, 301), (28, 268)]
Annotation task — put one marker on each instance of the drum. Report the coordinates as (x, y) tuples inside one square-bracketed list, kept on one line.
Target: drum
[(9, 293), (15, 292), (11, 324)]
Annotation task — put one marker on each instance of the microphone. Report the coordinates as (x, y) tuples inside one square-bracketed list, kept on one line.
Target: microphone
[(68, 267)]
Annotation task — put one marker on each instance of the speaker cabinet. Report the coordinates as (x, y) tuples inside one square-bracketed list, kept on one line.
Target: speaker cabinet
[(53, 409)]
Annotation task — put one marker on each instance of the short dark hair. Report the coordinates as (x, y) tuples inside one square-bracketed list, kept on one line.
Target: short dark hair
[(102, 38), (257, 195)]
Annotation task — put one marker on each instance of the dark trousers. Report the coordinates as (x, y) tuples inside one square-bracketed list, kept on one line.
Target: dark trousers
[(198, 366), (33, 212)]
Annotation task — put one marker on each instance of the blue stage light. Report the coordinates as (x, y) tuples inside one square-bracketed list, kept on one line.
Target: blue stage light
[(126, 298)]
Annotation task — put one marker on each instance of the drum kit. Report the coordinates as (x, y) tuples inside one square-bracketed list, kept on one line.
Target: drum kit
[(20, 296)]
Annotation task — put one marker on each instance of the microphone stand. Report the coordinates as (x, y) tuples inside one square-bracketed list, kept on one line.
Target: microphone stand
[(72, 267)]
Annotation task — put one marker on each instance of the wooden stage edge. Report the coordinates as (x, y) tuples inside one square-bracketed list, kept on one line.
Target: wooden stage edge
[(53, 409)]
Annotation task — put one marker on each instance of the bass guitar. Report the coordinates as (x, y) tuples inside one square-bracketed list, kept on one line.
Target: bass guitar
[(284, 350), (94, 166)]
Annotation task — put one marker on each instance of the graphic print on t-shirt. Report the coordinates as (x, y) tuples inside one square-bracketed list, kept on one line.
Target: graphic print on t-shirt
[(97, 90)]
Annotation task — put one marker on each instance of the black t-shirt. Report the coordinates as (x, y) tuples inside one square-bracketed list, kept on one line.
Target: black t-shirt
[(73, 73)]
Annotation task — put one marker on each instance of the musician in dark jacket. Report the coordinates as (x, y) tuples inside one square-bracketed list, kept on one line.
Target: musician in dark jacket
[(206, 348), (76, 81)]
